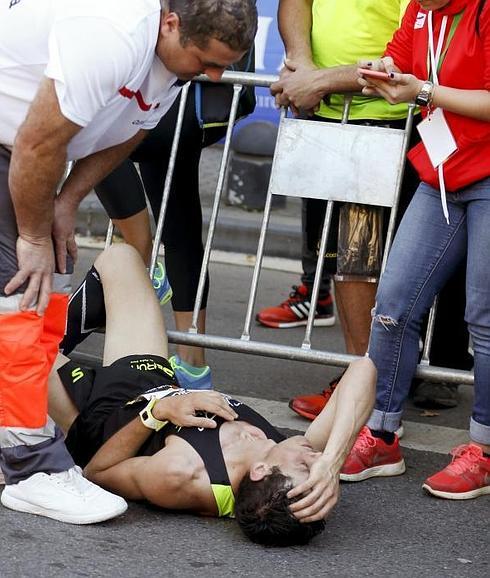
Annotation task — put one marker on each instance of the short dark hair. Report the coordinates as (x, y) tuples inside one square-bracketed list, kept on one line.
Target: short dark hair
[(233, 22), (262, 512)]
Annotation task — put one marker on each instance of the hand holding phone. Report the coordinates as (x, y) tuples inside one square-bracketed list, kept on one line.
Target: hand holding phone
[(374, 74)]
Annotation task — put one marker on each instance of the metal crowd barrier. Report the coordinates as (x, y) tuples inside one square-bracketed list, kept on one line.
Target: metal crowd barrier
[(306, 133)]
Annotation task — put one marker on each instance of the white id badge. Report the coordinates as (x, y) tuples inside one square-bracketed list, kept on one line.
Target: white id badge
[(437, 137)]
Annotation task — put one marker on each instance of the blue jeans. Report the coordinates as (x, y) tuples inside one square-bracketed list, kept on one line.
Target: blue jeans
[(425, 253)]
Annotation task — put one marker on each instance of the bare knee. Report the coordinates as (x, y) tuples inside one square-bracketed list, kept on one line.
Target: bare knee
[(116, 258)]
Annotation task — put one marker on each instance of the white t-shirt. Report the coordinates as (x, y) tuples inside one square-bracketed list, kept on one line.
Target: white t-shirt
[(101, 55)]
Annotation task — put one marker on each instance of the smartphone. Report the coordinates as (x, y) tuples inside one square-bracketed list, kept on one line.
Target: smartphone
[(374, 73)]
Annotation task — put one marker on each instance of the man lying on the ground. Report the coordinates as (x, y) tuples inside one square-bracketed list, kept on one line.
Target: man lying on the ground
[(138, 434)]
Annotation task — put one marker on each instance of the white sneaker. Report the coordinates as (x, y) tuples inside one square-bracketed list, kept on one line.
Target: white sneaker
[(67, 497)]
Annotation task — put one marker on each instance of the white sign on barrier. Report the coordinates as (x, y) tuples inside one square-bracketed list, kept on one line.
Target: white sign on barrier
[(322, 160)]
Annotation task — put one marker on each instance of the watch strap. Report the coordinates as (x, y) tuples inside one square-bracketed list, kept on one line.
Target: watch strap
[(148, 419)]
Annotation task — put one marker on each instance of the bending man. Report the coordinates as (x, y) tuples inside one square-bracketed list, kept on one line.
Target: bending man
[(61, 99)]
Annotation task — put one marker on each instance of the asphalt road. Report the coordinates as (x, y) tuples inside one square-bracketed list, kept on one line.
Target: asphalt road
[(385, 527)]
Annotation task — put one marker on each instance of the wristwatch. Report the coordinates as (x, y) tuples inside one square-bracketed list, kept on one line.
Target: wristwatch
[(148, 419), (424, 97)]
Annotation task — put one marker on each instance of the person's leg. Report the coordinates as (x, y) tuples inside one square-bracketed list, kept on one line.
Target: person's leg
[(182, 232), (294, 311), (468, 474), (136, 231), (134, 322), (478, 310), (29, 442), (425, 253), (60, 405), (449, 345), (123, 198), (39, 472), (355, 301)]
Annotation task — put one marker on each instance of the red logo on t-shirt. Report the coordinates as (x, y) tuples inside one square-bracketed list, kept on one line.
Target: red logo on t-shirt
[(139, 97)]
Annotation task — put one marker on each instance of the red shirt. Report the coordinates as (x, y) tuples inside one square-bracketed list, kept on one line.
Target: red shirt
[(466, 66)]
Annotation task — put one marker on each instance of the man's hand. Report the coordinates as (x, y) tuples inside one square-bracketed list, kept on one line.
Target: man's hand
[(181, 409), (64, 232), (296, 87), (322, 489), (35, 260)]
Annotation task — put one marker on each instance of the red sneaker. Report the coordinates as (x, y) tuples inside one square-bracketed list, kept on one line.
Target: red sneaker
[(372, 457), (309, 406), (467, 476), (295, 310)]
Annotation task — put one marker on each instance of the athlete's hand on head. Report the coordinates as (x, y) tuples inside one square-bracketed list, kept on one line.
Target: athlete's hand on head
[(35, 260), (321, 491), (182, 409)]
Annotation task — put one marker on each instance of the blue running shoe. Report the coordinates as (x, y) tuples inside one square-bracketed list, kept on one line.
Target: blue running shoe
[(161, 284), (190, 377)]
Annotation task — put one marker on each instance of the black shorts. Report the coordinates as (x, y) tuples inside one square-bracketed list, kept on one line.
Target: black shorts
[(98, 393)]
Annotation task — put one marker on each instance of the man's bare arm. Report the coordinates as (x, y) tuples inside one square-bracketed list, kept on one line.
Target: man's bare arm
[(86, 173), (302, 85), (37, 165), (294, 20)]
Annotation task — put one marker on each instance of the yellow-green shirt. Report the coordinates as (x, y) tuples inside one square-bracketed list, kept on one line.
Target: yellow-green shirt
[(344, 31)]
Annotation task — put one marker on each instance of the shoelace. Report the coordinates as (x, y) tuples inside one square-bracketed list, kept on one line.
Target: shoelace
[(365, 441), (72, 478), (465, 458)]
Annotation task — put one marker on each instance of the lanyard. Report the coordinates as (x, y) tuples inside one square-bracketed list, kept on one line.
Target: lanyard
[(435, 59), (438, 55)]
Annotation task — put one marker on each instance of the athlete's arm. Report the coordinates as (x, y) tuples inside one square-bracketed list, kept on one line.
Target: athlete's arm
[(36, 168), (86, 173), (334, 431), (163, 479), (179, 409)]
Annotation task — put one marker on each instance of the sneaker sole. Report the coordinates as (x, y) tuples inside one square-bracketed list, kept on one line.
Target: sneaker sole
[(376, 472), (318, 322), (166, 298), (305, 414), (27, 508), (457, 496)]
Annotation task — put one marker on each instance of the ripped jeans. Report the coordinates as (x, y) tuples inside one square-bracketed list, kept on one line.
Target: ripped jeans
[(425, 253)]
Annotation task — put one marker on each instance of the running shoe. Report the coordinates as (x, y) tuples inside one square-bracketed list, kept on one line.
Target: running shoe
[(309, 406), (467, 476), (434, 395), (65, 496), (372, 457), (295, 310), (161, 284), (190, 377)]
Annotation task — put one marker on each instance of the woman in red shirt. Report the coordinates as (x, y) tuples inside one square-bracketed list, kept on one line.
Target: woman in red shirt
[(439, 58)]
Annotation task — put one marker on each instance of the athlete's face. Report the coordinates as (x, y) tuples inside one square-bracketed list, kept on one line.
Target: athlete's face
[(190, 60), (433, 4), (294, 457)]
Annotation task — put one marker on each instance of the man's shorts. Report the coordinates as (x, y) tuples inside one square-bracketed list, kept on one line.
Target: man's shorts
[(98, 393)]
